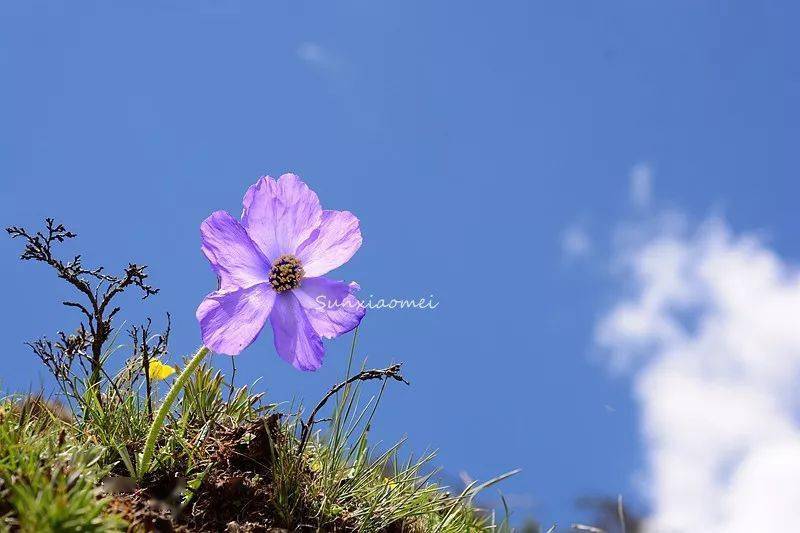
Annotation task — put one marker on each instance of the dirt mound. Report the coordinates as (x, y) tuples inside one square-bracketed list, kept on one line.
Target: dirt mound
[(234, 495)]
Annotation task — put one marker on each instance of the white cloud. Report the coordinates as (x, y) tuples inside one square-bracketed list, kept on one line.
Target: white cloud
[(319, 57), (711, 327), (575, 242), (641, 185)]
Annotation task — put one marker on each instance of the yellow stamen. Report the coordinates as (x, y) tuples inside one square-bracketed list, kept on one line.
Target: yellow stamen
[(286, 273)]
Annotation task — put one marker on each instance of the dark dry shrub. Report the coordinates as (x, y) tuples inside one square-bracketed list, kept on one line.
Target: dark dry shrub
[(85, 348)]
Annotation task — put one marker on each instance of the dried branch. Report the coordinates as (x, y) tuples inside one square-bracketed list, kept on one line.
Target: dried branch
[(366, 375), (59, 357), (143, 348), (98, 289)]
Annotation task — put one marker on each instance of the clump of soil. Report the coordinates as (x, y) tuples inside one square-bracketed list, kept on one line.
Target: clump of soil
[(144, 513), (234, 495)]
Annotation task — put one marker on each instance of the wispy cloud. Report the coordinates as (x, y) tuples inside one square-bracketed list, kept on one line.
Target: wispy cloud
[(711, 322), (641, 185), (319, 57), (575, 242)]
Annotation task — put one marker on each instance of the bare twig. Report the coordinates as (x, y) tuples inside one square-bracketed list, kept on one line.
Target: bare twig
[(366, 375), (142, 348), (233, 379), (98, 289)]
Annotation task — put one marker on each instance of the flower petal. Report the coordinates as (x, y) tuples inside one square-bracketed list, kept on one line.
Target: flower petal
[(332, 244), (232, 254), (280, 215), (330, 305), (159, 371), (231, 321), (295, 339)]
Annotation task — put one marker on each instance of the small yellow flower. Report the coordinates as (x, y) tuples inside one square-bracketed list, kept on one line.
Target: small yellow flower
[(316, 465), (160, 371)]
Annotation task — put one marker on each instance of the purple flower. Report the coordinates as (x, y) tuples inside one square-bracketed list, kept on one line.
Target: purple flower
[(270, 267)]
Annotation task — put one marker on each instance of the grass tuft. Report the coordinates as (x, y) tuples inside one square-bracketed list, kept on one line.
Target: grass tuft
[(49, 478)]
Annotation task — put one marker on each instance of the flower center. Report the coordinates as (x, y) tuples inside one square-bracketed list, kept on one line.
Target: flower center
[(286, 273)]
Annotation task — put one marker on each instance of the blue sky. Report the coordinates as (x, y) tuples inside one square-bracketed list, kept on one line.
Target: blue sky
[(471, 141)]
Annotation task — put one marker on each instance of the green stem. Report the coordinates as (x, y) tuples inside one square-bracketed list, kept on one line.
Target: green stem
[(158, 421)]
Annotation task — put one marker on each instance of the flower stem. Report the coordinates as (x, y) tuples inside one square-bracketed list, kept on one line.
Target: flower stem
[(158, 421)]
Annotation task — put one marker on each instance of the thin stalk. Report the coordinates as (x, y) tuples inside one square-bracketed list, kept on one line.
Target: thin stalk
[(148, 386), (172, 395)]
